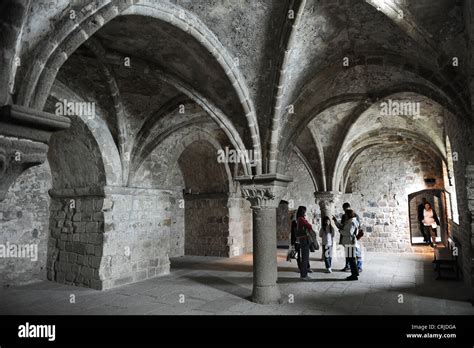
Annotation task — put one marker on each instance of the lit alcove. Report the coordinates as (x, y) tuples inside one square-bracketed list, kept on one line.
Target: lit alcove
[(437, 199)]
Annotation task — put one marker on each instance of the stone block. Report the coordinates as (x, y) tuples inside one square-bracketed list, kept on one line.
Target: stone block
[(96, 284), (79, 248), (63, 256), (92, 227), (86, 272), (123, 281), (98, 250), (98, 204), (79, 227), (142, 275), (90, 249), (95, 261), (153, 263), (69, 246), (80, 260), (95, 238), (77, 217), (61, 277), (98, 217)]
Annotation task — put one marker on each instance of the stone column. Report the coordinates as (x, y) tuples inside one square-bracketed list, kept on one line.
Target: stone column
[(24, 135), (264, 193), (328, 202)]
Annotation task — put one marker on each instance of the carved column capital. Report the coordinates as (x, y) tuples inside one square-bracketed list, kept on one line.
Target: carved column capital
[(327, 201), (327, 196), (24, 135), (264, 191)]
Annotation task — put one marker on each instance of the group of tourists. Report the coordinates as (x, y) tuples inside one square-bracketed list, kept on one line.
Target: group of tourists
[(303, 240)]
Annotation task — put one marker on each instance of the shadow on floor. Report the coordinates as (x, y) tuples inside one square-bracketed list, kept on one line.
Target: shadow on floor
[(225, 285), (218, 265), (282, 280)]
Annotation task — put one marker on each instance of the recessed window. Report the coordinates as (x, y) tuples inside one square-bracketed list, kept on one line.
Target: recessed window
[(450, 181)]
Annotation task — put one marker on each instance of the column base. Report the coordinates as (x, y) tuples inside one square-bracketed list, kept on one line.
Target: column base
[(266, 294)]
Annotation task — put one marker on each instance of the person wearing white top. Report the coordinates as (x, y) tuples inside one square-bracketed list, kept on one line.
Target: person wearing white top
[(430, 223), (349, 239), (327, 234)]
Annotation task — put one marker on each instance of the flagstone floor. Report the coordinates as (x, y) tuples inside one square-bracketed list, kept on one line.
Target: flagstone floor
[(391, 284)]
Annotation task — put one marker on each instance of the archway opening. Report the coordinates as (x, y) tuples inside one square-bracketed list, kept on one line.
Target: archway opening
[(437, 200), (206, 193)]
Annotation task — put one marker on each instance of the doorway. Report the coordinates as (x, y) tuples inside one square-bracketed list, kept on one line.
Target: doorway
[(437, 199)]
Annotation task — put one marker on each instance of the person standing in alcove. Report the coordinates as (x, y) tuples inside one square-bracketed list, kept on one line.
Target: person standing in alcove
[(430, 223)]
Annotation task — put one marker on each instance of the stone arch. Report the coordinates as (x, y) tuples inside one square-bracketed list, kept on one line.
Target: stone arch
[(71, 34), (379, 181), (360, 130), (169, 146), (354, 149), (186, 146), (215, 220), (418, 80), (80, 179), (98, 130)]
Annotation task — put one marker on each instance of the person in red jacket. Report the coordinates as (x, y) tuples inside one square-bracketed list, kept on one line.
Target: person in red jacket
[(302, 226)]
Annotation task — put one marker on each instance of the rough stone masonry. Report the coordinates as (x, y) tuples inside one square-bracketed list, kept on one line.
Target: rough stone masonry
[(130, 176)]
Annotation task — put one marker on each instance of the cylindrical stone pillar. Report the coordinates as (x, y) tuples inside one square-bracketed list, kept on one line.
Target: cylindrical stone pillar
[(264, 193), (265, 289)]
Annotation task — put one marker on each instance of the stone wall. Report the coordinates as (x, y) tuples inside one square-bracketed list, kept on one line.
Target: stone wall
[(206, 225), (381, 179), (240, 226), (24, 221), (217, 225), (470, 190), (460, 135), (136, 235), (283, 222), (177, 208), (76, 240), (301, 190), (107, 241)]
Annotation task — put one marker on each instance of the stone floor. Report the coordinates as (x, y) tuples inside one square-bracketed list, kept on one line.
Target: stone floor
[(204, 286)]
